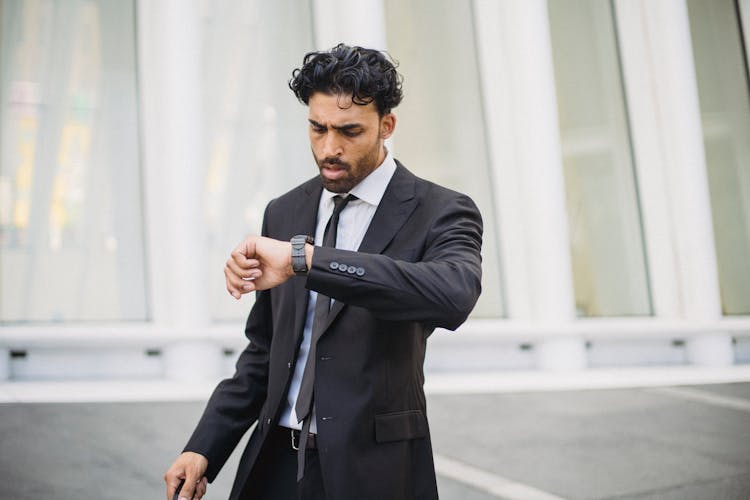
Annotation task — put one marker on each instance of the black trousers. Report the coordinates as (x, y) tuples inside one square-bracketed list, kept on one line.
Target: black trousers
[(274, 476)]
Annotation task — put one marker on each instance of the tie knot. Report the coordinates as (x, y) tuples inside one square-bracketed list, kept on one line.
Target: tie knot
[(339, 202)]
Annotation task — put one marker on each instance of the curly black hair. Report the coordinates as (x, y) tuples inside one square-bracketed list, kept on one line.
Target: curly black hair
[(367, 75)]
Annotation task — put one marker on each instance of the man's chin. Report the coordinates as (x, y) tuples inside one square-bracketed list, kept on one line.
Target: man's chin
[(337, 185)]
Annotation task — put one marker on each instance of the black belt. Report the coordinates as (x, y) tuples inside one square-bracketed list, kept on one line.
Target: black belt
[(312, 443)]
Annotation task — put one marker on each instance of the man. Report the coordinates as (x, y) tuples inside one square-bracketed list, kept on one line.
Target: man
[(333, 371)]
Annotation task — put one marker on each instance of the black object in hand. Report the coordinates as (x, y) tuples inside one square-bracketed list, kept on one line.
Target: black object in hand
[(177, 491)]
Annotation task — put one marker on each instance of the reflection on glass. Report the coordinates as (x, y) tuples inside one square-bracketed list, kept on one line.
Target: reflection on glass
[(725, 112), (609, 269), (441, 133), (255, 130), (70, 217)]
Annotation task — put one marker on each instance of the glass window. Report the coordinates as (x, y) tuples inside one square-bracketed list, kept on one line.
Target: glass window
[(609, 267), (441, 132), (255, 129), (71, 235), (722, 76)]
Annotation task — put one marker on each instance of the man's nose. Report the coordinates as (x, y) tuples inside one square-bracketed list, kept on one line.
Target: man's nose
[(332, 146)]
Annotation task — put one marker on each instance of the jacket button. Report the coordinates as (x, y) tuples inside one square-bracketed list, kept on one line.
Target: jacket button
[(360, 271), (334, 265), (326, 358), (351, 269), (326, 419), (289, 365), (268, 421)]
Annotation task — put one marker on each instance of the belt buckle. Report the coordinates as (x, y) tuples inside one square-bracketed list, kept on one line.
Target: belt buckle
[(294, 447)]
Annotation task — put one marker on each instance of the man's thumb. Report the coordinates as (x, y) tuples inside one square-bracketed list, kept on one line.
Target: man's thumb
[(188, 488)]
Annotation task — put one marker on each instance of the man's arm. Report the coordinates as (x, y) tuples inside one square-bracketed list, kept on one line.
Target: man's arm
[(440, 289)]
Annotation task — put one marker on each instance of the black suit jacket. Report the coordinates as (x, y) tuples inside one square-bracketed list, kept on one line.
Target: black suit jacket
[(419, 268)]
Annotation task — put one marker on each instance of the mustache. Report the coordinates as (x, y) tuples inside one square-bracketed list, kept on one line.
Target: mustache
[(332, 160)]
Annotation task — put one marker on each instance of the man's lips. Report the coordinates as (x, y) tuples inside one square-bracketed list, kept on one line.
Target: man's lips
[(333, 171)]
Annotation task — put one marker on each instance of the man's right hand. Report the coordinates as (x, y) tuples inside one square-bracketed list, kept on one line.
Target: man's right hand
[(191, 467), (260, 263)]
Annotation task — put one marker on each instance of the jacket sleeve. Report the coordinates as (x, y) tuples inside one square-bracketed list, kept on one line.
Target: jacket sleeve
[(439, 290), (236, 402)]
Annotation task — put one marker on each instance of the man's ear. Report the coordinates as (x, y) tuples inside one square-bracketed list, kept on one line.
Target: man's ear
[(387, 125)]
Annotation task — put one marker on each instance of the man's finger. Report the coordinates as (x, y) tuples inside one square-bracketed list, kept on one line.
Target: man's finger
[(171, 488), (188, 489), (172, 495), (234, 292), (236, 284), (243, 272), (200, 488), (243, 261), (246, 248), (173, 482)]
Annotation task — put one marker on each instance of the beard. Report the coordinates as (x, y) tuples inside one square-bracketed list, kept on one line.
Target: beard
[(352, 173)]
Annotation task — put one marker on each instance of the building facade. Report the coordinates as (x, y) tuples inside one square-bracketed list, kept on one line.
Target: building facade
[(607, 144)]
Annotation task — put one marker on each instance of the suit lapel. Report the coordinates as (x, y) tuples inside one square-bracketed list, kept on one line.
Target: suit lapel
[(398, 202), (305, 220)]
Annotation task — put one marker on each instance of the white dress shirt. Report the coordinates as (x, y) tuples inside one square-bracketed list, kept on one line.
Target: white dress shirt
[(354, 221)]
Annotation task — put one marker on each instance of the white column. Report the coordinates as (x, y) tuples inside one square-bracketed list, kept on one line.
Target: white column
[(745, 20), (170, 39), (668, 141), (353, 22), (521, 110), (4, 364)]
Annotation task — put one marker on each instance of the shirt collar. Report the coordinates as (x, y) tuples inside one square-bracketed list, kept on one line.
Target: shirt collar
[(372, 188)]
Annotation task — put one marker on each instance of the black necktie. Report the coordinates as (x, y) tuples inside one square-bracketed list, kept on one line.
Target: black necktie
[(303, 406)]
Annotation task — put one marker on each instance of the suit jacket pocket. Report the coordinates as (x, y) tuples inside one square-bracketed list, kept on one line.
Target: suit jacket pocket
[(400, 425)]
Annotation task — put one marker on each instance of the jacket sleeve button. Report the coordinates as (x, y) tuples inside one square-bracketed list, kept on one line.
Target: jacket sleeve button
[(360, 271), (334, 265), (351, 269)]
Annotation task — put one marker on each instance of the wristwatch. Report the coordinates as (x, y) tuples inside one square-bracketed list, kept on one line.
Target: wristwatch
[(299, 262)]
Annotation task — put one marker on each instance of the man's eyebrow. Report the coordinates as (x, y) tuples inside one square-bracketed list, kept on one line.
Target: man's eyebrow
[(346, 126)]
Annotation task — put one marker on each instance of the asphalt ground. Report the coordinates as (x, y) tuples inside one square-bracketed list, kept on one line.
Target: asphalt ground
[(654, 443)]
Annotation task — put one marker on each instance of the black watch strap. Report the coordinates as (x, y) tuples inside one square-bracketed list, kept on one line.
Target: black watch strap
[(299, 262)]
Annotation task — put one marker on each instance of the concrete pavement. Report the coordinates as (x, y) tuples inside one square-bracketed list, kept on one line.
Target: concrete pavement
[(653, 443)]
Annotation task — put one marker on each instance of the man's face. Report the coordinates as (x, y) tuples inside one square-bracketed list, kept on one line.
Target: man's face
[(346, 139)]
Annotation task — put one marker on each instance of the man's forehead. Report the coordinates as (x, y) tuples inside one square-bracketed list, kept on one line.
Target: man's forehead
[(337, 107)]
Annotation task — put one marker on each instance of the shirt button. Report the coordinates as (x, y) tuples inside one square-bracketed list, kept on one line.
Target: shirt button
[(360, 271), (351, 269), (334, 265)]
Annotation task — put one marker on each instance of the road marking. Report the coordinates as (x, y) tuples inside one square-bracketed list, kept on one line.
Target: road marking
[(493, 484), (702, 396)]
